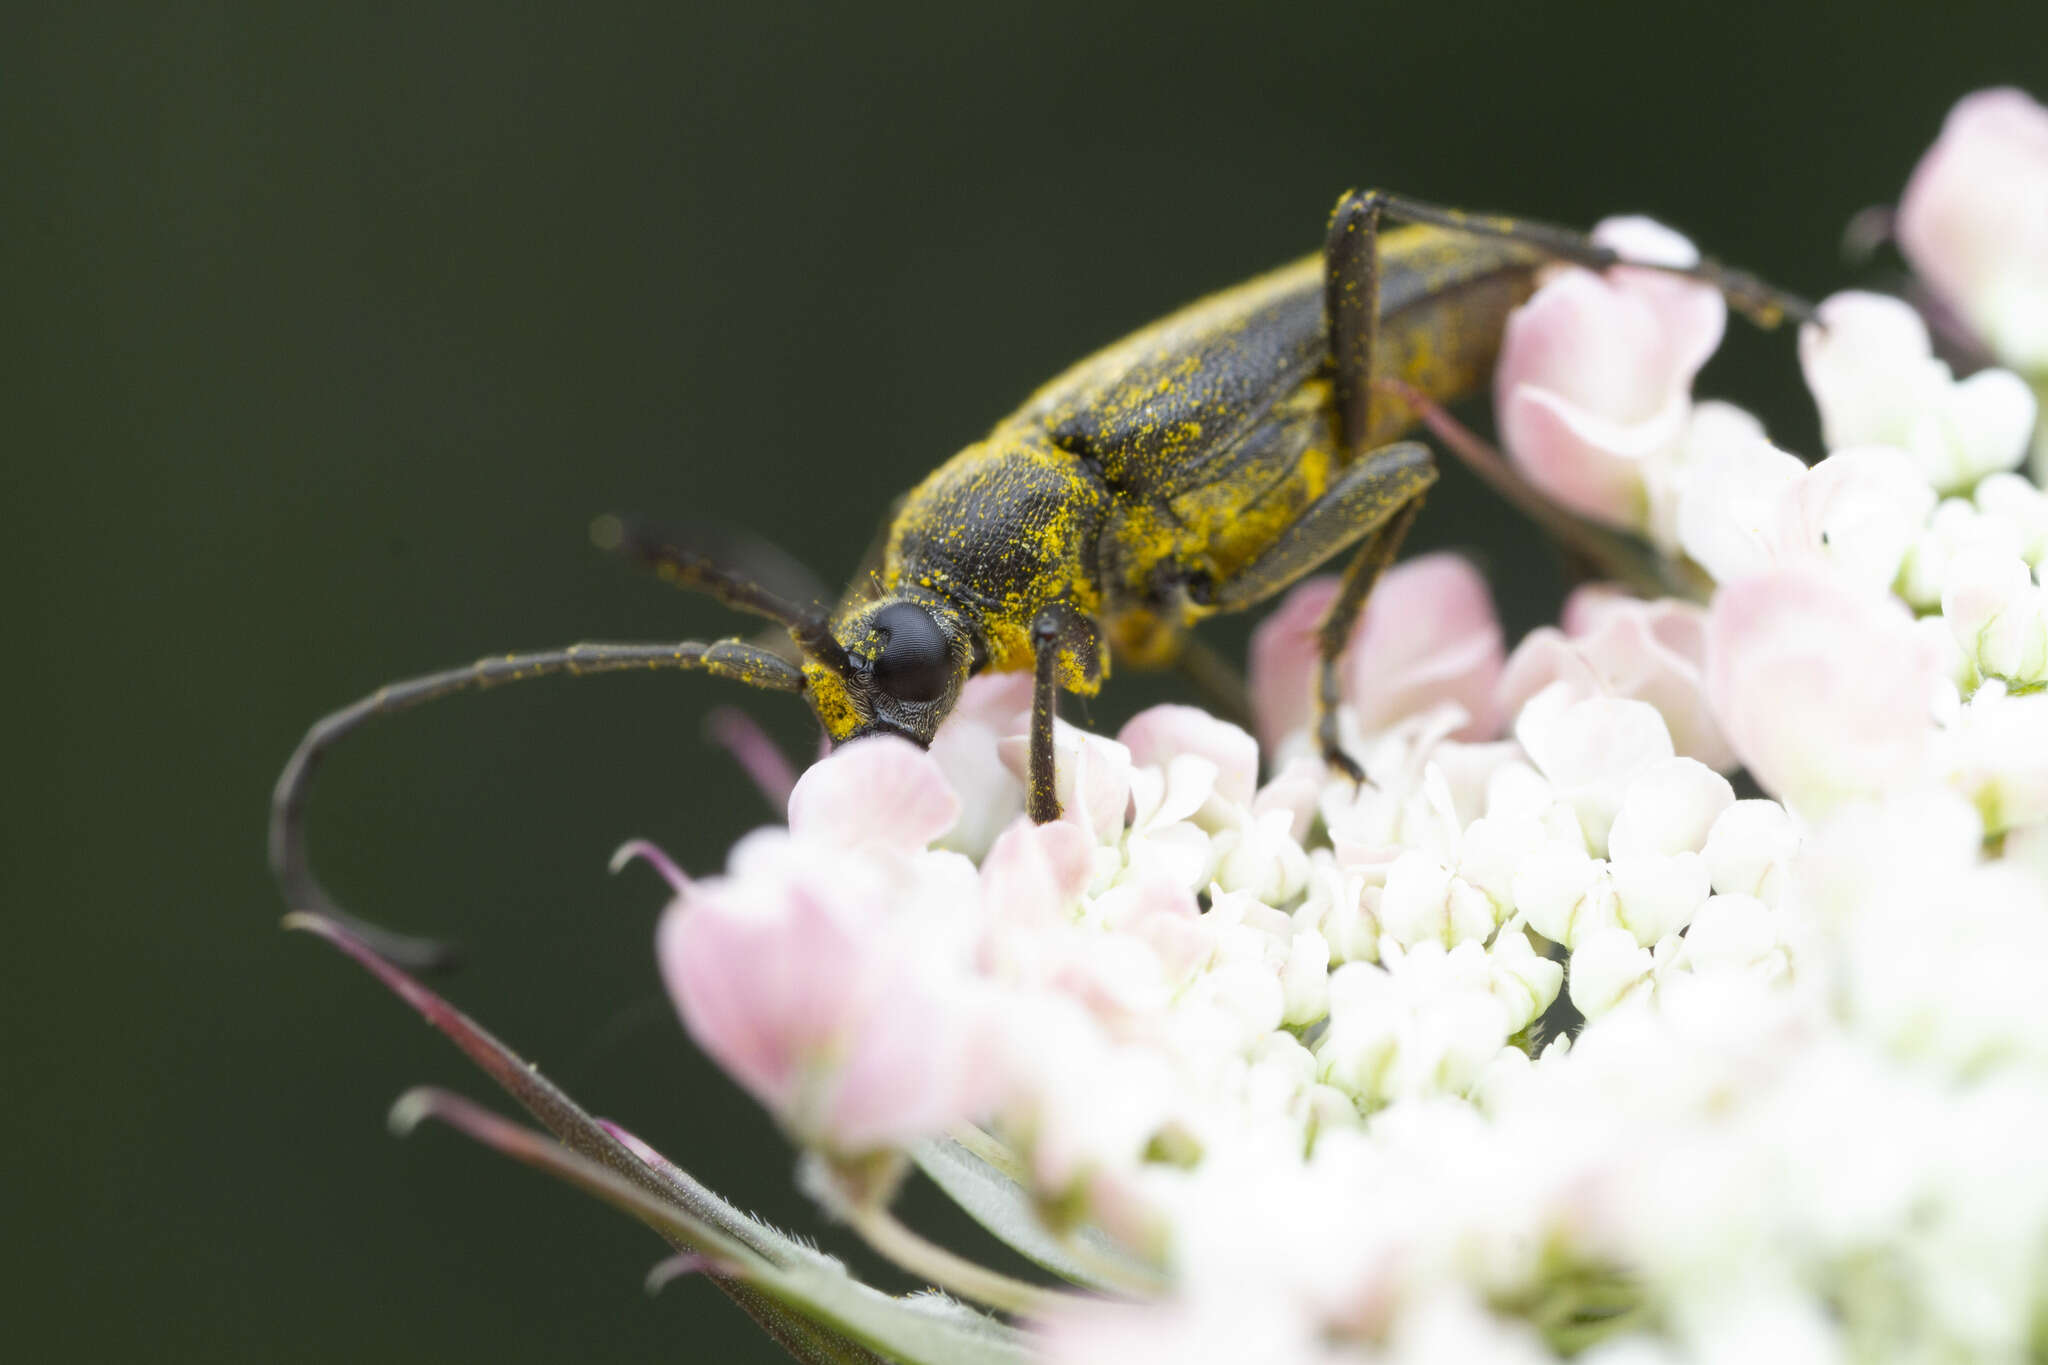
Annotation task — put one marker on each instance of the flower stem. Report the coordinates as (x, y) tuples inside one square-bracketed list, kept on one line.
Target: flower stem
[(947, 1270), (1610, 553), (1128, 1276)]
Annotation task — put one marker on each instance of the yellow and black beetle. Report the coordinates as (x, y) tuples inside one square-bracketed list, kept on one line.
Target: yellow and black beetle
[(1200, 465)]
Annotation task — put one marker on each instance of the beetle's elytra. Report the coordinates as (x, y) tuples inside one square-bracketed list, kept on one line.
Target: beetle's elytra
[(1200, 465)]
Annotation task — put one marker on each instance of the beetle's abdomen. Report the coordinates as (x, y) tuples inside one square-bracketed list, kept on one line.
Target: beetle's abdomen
[(1443, 309), (1279, 467), (1185, 450), (1167, 408)]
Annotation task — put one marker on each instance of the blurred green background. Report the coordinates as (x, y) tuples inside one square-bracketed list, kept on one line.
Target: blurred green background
[(331, 328)]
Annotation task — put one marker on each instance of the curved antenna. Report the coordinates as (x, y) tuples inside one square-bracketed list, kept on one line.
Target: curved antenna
[(708, 565), (676, 549), (734, 659)]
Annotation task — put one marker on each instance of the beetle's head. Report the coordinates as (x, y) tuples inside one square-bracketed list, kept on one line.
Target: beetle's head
[(893, 667)]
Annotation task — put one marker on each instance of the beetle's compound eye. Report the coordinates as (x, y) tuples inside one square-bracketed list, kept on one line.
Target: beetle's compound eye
[(913, 664)]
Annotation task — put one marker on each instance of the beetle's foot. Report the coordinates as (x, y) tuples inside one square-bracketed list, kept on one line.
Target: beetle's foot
[(1344, 763), (1333, 751), (1041, 803)]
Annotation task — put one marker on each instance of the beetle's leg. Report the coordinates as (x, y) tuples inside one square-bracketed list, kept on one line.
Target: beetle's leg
[(1762, 303), (1365, 497), (1058, 630), (1375, 499), (1334, 632), (1351, 311), (1042, 797), (732, 659)]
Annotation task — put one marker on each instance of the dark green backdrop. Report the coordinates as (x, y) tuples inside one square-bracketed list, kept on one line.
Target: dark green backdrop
[(331, 327)]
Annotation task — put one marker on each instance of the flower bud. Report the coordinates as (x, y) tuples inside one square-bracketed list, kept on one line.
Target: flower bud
[(1731, 932), (1428, 634), (1974, 222), (1871, 366), (1620, 646), (1606, 966), (1565, 894), (1823, 685), (1998, 616), (1749, 848), (1656, 894), (1524, 983), (1669, 809), (1594, 384), (1424, 901), (1591, 750), (2013, 502)]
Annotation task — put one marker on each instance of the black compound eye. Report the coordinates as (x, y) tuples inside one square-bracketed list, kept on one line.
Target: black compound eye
[(914, 664)]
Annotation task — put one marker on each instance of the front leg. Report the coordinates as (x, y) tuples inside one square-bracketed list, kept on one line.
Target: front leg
[(1066, 649), (1371, 505), (1042, 796)]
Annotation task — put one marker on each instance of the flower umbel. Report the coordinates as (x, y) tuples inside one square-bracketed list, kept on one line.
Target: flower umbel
[(1668, 989)]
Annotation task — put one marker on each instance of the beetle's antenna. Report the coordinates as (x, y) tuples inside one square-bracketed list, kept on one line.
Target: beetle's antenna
[(707, 566), (708, 562), (734, 659)]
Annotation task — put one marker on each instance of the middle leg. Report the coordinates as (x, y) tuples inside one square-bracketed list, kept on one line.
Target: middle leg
[(1372, 505), (1334, 632)]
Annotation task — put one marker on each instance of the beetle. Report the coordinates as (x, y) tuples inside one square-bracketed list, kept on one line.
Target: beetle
[(1200, 465)]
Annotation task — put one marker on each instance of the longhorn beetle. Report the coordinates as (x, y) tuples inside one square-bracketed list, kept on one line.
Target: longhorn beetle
[(1200, 465)]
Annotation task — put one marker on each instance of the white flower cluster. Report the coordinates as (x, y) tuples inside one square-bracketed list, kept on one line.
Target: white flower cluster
[(1309, 1131), (1874, 515), (1802, 1113), (1392, 956), (1302, 1043)]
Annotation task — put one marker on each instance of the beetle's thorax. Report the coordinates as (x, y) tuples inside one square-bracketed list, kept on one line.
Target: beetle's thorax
[(1003, 530)]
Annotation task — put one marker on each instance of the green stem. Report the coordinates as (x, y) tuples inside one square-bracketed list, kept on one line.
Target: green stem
[(948, 1270)]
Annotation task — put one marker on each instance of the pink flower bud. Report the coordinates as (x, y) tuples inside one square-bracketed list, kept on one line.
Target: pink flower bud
[(880, 791), (1594, 385), (1092, 775), (1974, 222), (830, 972), (855, 1037), (1620, 646), (993, 707), (1822, 685), (1428, 634), (1035, 872), (1157, 736)]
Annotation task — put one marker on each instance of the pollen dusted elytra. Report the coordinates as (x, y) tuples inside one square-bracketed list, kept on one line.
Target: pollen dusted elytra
[(1200, 465)]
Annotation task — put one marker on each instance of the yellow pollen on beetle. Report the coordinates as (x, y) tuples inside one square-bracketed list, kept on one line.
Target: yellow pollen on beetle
[(830, 700)]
